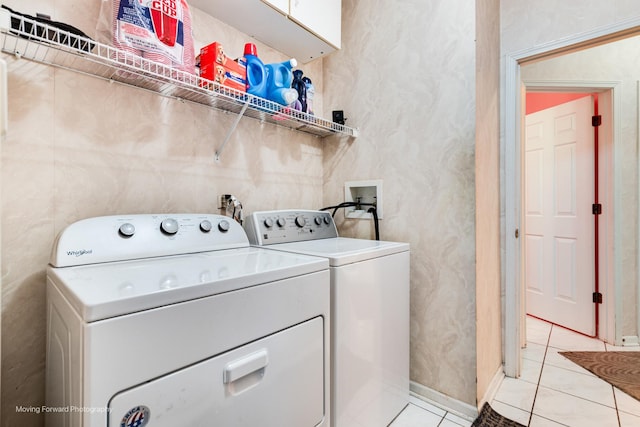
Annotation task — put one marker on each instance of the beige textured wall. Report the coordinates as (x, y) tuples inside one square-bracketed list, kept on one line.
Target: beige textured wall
[(616, 61), (526, 24), (548, 22), (488, 323), (79, 147), (406, 76)]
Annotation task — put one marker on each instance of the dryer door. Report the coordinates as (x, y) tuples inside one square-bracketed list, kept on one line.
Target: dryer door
[(273, 382)]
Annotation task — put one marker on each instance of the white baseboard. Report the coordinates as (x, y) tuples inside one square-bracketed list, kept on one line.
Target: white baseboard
[(630, 341), (494, 385), (443, 401)]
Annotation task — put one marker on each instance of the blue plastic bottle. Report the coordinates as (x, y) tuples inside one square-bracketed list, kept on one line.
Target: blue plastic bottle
[(279, 78), (256, 72)]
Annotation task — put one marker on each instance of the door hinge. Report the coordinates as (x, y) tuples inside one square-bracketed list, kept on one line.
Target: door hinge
[(596, 208), (596, 121), (597, 298)]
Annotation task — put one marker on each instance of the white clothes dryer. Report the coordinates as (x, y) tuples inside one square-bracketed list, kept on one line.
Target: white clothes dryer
[(174, 320), (369, 312)]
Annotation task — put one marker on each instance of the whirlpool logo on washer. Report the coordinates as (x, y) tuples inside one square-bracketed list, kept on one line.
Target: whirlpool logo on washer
[(80, 252), (136, 417)]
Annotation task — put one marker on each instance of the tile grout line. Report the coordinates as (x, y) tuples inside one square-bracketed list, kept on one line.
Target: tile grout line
[(544, 358), (613, 390), (445, 416), (615, 403)]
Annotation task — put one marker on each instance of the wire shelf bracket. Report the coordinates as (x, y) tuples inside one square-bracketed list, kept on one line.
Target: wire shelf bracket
[(233, 128)]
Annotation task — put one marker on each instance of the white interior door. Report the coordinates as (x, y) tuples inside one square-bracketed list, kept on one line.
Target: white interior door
[(559, 235)]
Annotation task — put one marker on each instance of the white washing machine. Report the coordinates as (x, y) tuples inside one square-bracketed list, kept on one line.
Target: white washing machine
[(174, 320), (369, 312)]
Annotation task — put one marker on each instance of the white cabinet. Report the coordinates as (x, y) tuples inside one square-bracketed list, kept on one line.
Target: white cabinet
[(302, 29), (320, 17), (281, 5)]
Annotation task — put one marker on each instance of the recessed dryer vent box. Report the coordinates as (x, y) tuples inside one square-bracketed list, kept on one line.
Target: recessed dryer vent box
[(363, 192)]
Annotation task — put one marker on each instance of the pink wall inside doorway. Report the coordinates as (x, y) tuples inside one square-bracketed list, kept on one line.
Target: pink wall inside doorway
[(537, 101)]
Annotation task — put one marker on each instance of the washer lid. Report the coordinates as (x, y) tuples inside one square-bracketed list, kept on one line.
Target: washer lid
[(344, 250), (100, 291)]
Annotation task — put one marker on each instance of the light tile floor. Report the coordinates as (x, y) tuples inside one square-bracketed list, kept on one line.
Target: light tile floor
[(552, 391), (419, 413)]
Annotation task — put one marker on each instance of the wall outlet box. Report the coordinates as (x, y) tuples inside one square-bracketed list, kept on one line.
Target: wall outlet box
[(363, 192)]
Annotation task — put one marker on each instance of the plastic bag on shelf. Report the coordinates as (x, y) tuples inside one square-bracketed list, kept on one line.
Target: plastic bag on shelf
[(158, 30), (67, 35)]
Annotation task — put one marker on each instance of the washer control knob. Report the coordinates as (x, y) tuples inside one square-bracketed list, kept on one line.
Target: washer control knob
[(205, 226), (281, 222), (127, 230), (327, 219), (169, 226), (268, 222), (317, 220), (301, 221), (224, 226)]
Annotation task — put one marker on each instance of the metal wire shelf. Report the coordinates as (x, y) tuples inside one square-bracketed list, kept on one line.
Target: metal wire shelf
[(40, 42)]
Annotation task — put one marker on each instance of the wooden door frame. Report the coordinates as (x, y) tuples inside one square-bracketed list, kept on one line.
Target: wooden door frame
[(513, 316)]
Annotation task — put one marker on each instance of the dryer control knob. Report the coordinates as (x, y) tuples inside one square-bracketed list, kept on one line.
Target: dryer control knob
[(268, 223), (205, 226), (224, 226), (169, 226), (327, 220), (281, 222), (127, 230), (301, 221), (317, 220)]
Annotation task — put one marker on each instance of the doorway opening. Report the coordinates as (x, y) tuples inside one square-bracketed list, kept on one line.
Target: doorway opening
[(515, 89), (566, 175)]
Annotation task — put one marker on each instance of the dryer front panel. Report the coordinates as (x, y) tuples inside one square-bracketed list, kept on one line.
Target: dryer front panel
[(273, 382)]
